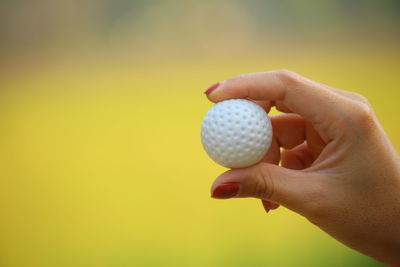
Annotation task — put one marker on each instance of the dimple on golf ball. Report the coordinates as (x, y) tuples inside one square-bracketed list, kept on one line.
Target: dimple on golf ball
[(236, 133)]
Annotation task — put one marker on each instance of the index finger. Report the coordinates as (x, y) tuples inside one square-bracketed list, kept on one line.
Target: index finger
[(314, 102)]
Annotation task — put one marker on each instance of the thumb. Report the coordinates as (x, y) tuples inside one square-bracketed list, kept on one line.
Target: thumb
[(293, 189)]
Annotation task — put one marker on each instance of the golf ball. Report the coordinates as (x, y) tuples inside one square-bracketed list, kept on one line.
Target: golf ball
[(236, 133)]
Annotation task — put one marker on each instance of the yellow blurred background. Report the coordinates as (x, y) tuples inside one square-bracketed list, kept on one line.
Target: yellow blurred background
[(100, 111)]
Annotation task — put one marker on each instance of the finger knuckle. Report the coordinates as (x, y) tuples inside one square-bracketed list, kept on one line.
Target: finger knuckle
[(362, 99), (362, 114), (289, 77), (263, 186), (286, 73)]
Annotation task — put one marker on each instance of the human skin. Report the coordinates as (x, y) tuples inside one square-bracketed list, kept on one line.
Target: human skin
[(338, 167)]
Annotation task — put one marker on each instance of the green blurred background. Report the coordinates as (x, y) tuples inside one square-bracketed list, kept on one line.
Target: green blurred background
[(100, 110)]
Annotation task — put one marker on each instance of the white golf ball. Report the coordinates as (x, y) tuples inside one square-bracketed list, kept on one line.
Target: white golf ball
[(236, 133)]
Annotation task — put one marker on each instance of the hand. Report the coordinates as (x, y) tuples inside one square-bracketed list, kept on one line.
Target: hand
[(339, 169)]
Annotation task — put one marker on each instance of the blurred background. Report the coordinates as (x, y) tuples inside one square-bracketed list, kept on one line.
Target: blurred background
[(100, 110)]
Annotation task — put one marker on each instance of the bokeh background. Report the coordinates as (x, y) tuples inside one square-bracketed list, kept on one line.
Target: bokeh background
[(100, 111)]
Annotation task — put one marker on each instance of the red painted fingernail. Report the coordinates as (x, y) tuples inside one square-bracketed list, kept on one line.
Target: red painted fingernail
[(224, 191), (274, 206), (267, 205), (212, 88)]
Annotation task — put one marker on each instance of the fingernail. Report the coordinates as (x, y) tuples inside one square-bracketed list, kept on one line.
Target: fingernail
[(224, 191), (274, 206), (267, 205), (212, 88)]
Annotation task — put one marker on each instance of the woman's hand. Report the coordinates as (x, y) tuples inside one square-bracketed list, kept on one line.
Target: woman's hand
[(339, 169)]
